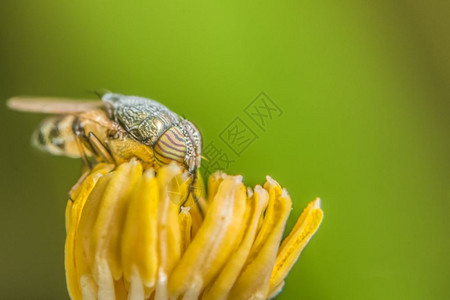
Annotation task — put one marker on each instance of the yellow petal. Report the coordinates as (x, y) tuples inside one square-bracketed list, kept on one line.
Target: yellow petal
[(104, 280), (73, 212), (88, 287), (68, 214), (185, 221), (295, 242), (81, 191), (139, 238), (267, 220), (225, 281), (253, 282), (97, 244), (274, 291), (171, 186), (83, 258), (214, 242), (106, 234), (214, 182), (136, 290)]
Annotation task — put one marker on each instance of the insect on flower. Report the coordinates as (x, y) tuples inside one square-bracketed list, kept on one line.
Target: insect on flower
[(133, 233), (114, 130)]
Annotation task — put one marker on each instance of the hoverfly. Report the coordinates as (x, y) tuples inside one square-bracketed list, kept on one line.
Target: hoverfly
[(114, 130)]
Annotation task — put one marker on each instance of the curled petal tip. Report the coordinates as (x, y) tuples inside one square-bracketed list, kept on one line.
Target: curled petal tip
[(272, 181), (249, 192), (259, 189), (317, 203), (218, 174), (149, 174)]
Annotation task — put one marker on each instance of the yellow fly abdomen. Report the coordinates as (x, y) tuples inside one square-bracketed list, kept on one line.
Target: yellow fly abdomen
[(55, 135), (171, 146)]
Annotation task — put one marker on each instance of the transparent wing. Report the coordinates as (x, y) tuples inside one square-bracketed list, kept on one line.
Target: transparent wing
[(52, 105)]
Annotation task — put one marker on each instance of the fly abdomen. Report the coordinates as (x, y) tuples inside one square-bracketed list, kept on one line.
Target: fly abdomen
[(55, 135)]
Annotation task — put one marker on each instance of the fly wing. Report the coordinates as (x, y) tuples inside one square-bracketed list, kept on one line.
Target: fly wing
[(50, 105)]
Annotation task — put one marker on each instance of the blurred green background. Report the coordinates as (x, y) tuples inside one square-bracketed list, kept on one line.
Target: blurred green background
[(364, 90)]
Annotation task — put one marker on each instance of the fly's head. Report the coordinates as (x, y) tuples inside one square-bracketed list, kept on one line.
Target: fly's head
[(182, 143)]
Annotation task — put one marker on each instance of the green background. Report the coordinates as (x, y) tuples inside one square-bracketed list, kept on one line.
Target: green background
[(364, 89)]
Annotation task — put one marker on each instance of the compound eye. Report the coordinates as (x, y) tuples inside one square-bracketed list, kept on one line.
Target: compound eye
[(171, 146)]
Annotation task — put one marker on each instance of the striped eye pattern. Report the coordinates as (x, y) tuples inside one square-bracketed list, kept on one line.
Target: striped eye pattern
[(171, 146)]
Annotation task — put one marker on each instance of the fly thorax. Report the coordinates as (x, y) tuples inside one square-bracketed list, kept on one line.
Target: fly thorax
[(146, 120), (171, 146)]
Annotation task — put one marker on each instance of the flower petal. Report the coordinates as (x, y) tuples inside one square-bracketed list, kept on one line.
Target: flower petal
[(97, 244), (228, 276), (106, 234), (185, 221), (83, 256), (73, 213), (172, 188), (142, 236), (214, 182), (139, 238), (253, 282), (291, 248), (214, 242)]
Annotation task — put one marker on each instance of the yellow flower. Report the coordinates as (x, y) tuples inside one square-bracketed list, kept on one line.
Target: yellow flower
[(131, 234)]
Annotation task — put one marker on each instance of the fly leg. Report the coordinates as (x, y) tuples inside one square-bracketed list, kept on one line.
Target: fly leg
[(197, 201), (84, 147), (86, 165), (100, 149), (92, 145), (87, 161)]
